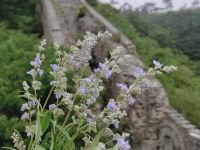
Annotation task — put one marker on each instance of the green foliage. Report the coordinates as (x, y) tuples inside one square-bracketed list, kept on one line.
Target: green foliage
[(162, 36), (20, 14), (138, 21), (15, 49), (82, 11), (17, 20), (182, 86), (92, 2), (183, 27), (7, 126)]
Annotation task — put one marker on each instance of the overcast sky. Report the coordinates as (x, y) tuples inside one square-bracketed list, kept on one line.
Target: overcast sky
[(135, 3)]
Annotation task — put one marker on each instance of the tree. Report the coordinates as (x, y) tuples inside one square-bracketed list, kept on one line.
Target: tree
[(126, 7), (113, 2), (148, 8), (183, 7), (168, 3), (195, 3)]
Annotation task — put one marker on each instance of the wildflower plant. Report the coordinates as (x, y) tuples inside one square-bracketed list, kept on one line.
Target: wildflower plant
[(72, 121)]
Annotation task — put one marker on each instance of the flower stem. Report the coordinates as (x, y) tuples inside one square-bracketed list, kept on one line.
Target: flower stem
[(30, 143), (45, 103), (66, 118)]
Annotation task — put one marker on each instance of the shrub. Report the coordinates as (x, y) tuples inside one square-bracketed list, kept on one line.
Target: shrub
[(73, 121)]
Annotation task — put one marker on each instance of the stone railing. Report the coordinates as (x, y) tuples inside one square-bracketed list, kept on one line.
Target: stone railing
[(153, 123)]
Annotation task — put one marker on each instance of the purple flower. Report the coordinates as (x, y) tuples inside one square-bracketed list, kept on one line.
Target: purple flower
[(32, 72), (24, 107), (57, 94), (116, 124), (52, 106), (28, 134), (131, 101), (88, 80), (89, 119), (36, 62), (71, 57), (77, 65), (157, 64), (138, 72), (123, 144), (40, 72), (101, 65), (98, 70), (25, 116), (112, 106), (122, 87), (108, 73), (55, 67), (32, 103), (83, 90)]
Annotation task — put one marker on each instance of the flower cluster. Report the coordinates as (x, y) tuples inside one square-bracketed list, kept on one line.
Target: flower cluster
[(18, 143), (106, 69), (37, 62), (90, 87), (29, 107), (76, 114)]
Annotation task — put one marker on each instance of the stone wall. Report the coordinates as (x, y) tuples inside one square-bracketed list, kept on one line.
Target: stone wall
[(153, 124), (50, 22)]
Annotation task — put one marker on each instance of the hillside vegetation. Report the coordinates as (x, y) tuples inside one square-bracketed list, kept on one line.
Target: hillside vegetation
[(183, 86), (183, 29), (19, 32)]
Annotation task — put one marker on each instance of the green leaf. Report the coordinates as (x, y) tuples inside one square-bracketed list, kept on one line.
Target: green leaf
[(45, 120), (98, 136), (38, 147), (30, 98), (65, 133), (38, 131), (96, 140), (45, 142), (69, 145), (60, 143), (52, 141)]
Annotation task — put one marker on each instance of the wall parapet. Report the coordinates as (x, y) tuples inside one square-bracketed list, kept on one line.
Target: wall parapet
[(51, 25)]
